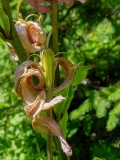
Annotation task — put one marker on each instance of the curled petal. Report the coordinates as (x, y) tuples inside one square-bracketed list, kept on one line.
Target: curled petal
[(37, 4), (21, 30), (35, 101), (36, 35), (33, 96), (33, 109), (44, 124), (23, 85), (68, 69), (32, 36)]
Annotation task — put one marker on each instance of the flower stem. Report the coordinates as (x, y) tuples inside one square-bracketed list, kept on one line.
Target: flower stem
[(54, 23), (55, 38), (15, 41), (49, 137), (55, 49)]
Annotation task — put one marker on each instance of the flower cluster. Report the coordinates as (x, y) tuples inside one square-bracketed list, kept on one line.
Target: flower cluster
[(34, 97), (33, 80)]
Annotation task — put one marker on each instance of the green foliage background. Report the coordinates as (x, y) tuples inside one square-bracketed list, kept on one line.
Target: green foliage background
[(93, 38)]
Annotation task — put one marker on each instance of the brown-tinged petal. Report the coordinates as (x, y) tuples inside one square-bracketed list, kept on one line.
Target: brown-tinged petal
[(33, 96), (12, 52), (22, 32), (32, 36), (35, 101), (39, 104), (34, 109), (37, 4), (43, 124), (23, 87), (36, 35), (68, 70)]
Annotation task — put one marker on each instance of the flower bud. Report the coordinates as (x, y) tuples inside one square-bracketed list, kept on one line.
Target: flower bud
[(47, 62), (32, 36)]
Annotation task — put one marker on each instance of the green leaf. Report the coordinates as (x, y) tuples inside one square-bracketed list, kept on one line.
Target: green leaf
[(81, 74), (68, 100), (4, 22), (59, 107), (63, 124)]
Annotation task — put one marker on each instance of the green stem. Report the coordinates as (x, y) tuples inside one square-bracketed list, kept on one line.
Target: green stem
[(49, 36), (49, 137), (55, 39), (55, 49), (15, 41), (54, 23)]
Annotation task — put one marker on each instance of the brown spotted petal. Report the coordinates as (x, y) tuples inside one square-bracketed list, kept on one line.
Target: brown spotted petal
[(68, 70), (32, 36), (43, 124)]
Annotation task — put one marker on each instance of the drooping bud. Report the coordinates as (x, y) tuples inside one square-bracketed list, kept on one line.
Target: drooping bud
[(32, 36)]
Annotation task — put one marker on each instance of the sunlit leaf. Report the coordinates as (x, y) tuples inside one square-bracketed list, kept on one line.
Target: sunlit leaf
[(81, 74)]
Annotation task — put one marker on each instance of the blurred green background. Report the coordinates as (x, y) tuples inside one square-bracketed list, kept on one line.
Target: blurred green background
[(92, 38)]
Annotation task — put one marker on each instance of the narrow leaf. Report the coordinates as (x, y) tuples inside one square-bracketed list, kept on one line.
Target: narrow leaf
[(63, 124), (81, 74), (68, 100), (4, 22), (59, 107)]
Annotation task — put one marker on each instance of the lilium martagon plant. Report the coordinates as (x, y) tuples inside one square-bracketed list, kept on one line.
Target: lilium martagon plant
[(34, 95)]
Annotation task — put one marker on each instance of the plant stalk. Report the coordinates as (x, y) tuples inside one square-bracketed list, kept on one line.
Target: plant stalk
[(57, 76), (49, 137), (15, 41), (54, 23)]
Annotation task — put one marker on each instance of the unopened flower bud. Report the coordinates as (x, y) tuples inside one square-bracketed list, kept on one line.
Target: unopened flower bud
[(47, 63)]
